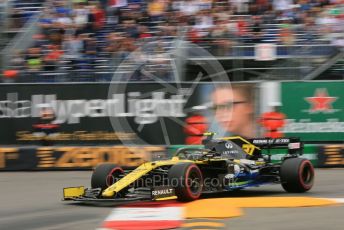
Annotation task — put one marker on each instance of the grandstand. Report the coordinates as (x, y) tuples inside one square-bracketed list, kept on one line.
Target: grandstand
[(85, 41)]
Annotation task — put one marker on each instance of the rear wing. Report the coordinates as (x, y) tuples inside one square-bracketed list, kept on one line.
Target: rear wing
[(293, 144), (253, 146)]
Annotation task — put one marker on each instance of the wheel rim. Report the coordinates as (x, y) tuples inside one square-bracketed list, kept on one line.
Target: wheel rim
[(194, 183), (112, 177)]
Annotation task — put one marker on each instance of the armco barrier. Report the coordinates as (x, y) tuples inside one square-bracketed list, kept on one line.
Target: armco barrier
[(76, 157)]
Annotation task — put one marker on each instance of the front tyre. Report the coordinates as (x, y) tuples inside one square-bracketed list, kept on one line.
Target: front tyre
[(297, 175), (187, 180), (105, 175)]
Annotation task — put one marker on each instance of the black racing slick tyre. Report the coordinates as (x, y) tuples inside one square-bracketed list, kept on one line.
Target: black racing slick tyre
[(105, 175), (187, 180), (297, 175)]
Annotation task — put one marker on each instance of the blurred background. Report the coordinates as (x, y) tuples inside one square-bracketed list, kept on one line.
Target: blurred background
[(81, 40), (84, 82)]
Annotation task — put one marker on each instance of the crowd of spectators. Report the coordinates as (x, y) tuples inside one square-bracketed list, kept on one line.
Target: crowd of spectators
[(82, 35)]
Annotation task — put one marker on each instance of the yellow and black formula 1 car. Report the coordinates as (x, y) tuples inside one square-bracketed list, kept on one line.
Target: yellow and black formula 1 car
[(223, 164)]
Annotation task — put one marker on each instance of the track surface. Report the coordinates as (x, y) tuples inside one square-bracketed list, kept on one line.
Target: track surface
[(32, 200)]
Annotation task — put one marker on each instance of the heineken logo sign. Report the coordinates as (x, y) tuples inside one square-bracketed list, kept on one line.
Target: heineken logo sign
[(314, 110), (321, 102)]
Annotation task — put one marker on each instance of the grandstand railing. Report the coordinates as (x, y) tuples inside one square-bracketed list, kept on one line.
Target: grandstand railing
[(282, 51), (103, 68)]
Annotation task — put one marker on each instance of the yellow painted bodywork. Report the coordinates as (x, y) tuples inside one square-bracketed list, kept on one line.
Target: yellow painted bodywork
[(167, 198), (72, 192), (137, 173), (149, 166), (247, 146)]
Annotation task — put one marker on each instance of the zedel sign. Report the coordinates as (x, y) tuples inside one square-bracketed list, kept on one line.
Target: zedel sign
[(314, 110)]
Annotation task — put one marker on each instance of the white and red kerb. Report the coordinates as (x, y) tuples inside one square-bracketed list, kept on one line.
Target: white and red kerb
[(145, 216)]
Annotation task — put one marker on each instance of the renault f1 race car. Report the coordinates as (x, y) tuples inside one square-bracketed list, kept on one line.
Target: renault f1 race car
[(224, 164)]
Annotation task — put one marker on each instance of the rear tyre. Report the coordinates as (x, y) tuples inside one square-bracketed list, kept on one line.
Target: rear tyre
[(105, 175), (187, 180), (297, 175)]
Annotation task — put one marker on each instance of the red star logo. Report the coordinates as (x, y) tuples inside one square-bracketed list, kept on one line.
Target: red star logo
[(321, 101)]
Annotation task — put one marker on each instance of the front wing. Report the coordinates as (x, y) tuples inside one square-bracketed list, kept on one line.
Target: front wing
[(87, 195)]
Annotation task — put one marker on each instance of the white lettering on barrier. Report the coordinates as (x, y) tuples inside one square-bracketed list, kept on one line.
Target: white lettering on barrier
[(306, 126), (145, 111)]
